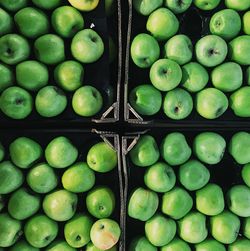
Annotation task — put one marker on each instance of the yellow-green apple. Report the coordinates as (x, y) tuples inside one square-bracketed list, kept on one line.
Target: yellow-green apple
[(178, 6), (206, 4), (59, 246), (7, 77), (246, 227), (245, 174), (247, 75), (210, 245), (141, 243), (240, 245), (176, 245), (238, 5), (246, 23), (84, 5)]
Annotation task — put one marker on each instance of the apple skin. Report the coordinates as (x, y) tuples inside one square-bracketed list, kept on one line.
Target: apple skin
[(176, 245), (210, 245), (227, 77), (146, 7), (206, 4), (40, 231), (84, 5), (246, 227), (211, 50), (245, 174), (59, 246), (47, 4), (211, 103), (60, 205), (91, 247), (23, 246), (143, 204), (226, 24), (145, 50), (179, 48), (7, 77), (246, 23), (160, 177), (141, 243), (176, 203), (193, 175), (6, 22), (146, 99), (238, 5), (239, 50), (145, 152), (194, 77), (240, 244), (225, 227), (165, 74), (178, 6), (248, 75), (14, 5)]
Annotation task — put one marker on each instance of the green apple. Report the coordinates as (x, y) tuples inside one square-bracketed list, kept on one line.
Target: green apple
[(67, 21), (2, 202), (69, 75), (13, 49), (248, 75), (24, 152), (226, 24), (227, 77), (10, 230), (193, 175), (13, 5), (146, 99), (211, 103), (23, 246), (141, 243), (110, 7), (211, 50), (145, 152), (179, 48), (32, 75), (143, 204), (178, 6), (42, 178), (77, 230), (7, 77), (175, 149), (192, 228), (87, 46), (11, 177), (176, 245), (176, 203), (6, 22), (60, 205), (159, 20), (145, 50), (178, 104), (239, 245), (246, 227), (91, 247), (78, 178), (239, 5), (146, 7), (47, 4), (210, 245), (40, 231), (49, 49), (87, 101), (206, 4), (225, 227), (194, 77), (105, 234), (60, 246), (61, 152), (245, 174), (246, 23), (239, 50), (31, 22), (160, 177), (84, 5), (102, 158), (2, 152), (239, 147), (240, 103), (165, 74)]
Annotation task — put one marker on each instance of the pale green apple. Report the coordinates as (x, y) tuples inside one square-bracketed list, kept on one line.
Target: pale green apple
[(246, 22), (245, 174), (239, 5), (240, 245), (141, 243), (248, 75), (210, 245), (84, 5), (246, 227), (176, 245)]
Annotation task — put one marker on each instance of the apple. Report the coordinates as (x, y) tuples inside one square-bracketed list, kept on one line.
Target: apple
[(2, 152), (165, 74), (141, 243), (110, 7), (40, 231), (59, 246), (240, 244), (102, 158), (239, 5), (10, 230), (248, 75), (246, 23), (210, 245), (145, 152), (192, 228), (105, 233), (206, 4), (49, 49), (178, 6), (7, 77), (160, 177), (225, 227), (159, 20), (69, 75), (239, 50), (60, 205), (194, 77), (13, 49), (60, 152), (87, 101), (143, 204), (13, 5), (211, 103), (246, 227), (84, 5), (47, 4), (24, 152), (67, 21), (179, 48), (226, 24), (239, 102), (146, 7), (23, 246), (11, 177), (42, 178), (239, 147), (178, 104), (91, 247), (227, 77), (32, 75), (176, 245), (145, 50), (6, 22), (211, 50), (245, 174), (176, 203), (77, 230), (146, 99)]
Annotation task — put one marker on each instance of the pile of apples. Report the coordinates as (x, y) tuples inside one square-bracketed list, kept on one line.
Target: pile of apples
[(182, 209), (49, 201), (213, 70)]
